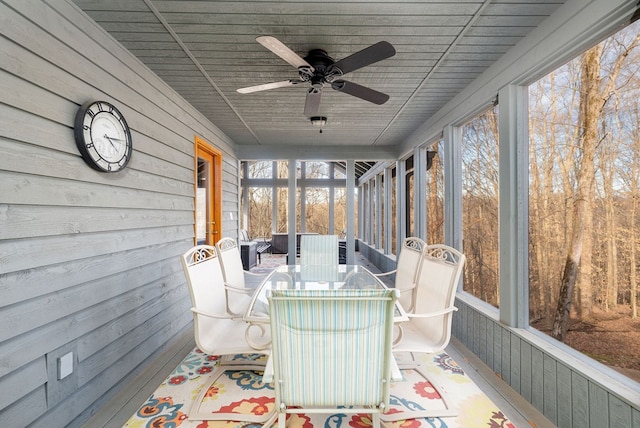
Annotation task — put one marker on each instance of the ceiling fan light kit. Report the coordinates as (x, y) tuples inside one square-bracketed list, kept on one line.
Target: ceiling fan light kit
[(318, 68), (318, 121)]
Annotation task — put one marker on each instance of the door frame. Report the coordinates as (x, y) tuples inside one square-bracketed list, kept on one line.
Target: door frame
[(203, 147)]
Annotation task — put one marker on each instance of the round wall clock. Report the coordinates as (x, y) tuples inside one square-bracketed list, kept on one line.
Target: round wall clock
[(103, 136)]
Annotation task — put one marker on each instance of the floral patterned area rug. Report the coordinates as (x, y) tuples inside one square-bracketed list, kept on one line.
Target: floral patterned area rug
[(242, 392)]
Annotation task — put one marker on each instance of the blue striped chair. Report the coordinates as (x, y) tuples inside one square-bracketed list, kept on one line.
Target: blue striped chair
[(318, 250), (331, 351)]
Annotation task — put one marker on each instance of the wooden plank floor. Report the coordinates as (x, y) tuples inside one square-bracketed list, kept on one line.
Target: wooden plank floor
[(128, 399)]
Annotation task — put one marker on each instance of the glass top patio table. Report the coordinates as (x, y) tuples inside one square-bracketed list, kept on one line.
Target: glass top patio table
[(332, 277)]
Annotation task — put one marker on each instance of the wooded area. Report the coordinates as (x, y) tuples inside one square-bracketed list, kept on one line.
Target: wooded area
[(584, 188), (584, 176)]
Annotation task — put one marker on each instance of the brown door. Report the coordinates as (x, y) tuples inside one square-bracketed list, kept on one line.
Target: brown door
[(208, 207)]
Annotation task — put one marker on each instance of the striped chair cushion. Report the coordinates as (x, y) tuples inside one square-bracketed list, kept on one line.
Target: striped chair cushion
[(331, 347)]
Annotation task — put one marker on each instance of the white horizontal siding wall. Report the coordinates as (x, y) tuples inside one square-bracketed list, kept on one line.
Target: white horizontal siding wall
[(88, 260)]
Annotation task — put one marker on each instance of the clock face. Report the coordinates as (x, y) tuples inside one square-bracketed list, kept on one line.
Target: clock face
[(103, 136)]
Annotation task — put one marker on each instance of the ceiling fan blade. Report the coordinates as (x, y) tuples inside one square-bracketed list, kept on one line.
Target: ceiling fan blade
[(266, 86), (312, 103), (360, 91), (374, 53), (280, 49)]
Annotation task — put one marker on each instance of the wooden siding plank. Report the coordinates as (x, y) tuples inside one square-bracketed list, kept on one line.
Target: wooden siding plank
[(22, 382), (40, 312), (23, 254), (28, 189), (525, 370), (619, 412), (108, 356), (79, 272), (455, 322), (40, 341), (490, 343), (482, 338), (475, 330), (465, 326), (497, 349), (505, 369), (515, 361), (39, 221), (390, 9), (24, 411), (154, 310), (83, 397), (550, 397), (563, 381), (537, 379), (580, 400), (598, 406), (27, 159)]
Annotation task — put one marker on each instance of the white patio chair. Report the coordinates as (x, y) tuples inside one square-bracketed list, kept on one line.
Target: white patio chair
[(216, 332), (406, 270), (331, 352), (429, 327), (318, 250), (238, 291)]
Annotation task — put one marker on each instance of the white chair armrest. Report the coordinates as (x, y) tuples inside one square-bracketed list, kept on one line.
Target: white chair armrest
[(240, 290), (267, 376), (385, 273), (396, 374), (210, 315), (255, 273), (433, 314)]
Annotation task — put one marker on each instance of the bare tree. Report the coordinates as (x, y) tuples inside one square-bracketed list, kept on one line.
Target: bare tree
[(590, 108), (595, 92)]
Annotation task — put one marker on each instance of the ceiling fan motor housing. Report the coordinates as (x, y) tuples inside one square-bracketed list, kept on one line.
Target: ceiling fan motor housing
[(323, 68)]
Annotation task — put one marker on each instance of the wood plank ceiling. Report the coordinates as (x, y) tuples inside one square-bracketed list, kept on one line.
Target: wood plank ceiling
[(206, 50)]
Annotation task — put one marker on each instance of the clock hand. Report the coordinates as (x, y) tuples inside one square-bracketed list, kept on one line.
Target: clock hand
[(111, 140)]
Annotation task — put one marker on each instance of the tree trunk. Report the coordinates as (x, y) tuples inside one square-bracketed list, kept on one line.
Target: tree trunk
[(590, 107), (632, 258)]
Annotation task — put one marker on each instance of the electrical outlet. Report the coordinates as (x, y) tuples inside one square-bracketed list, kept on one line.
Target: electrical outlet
[(65, 365)]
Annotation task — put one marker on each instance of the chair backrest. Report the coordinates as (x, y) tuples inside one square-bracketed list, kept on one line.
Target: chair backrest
[(407, 270), (438, 278), (331, 347), (319, 250), (232, 273), (204, 278), (216, 331), (244, 235)]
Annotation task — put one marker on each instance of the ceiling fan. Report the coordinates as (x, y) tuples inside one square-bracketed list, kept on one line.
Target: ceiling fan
[(319, 68)]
